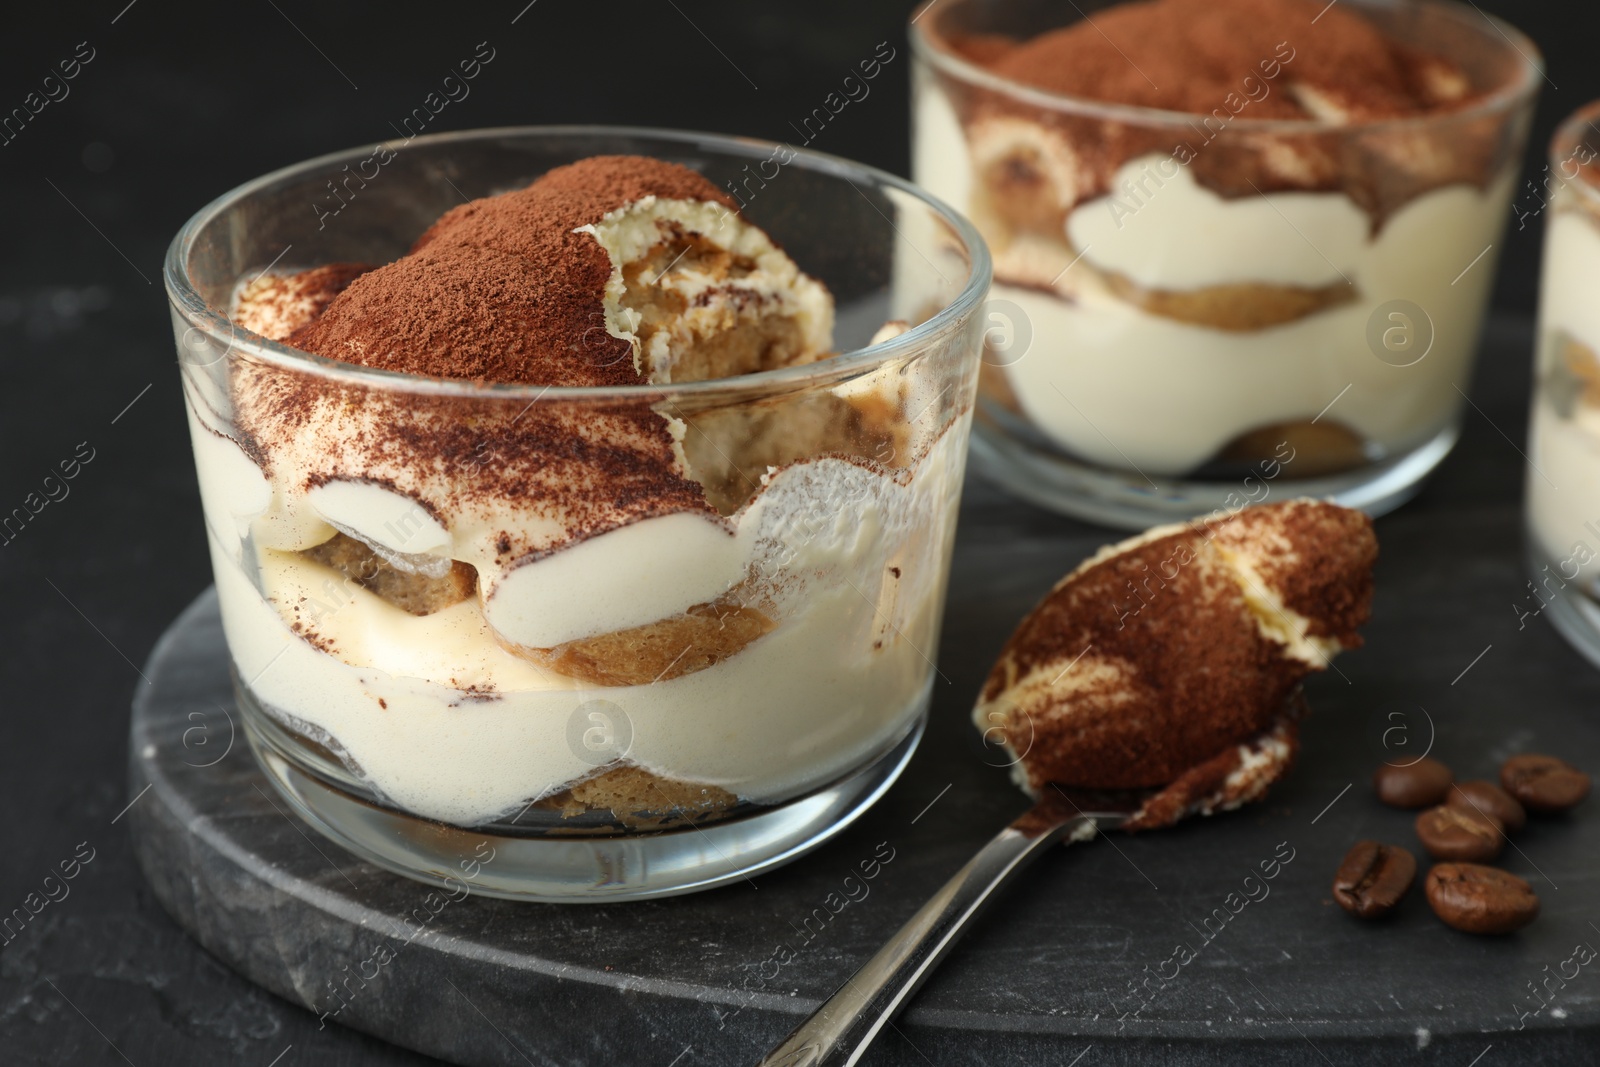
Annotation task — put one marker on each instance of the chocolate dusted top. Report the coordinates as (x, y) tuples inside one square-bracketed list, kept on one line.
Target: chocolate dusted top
[(502, 289), (1158, 661), (1229, 64), (585, 467), (1189, 55), (498, 290)]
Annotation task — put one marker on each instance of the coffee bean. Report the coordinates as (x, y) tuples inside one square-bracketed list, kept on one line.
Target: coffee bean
[(1544, 783), (1373, 878), (1452, 834), (1413, 785), (1480, 900), (1479, 795)]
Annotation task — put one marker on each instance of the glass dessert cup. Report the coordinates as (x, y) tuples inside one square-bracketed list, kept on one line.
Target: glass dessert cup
[(662, 706), (1191, 311), (1563, 477)]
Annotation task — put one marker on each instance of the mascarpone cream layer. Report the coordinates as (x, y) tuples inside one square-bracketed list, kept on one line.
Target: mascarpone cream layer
[(1564, 445), (1122, 387), (1564, 488), (444, 722), (1571, 276)]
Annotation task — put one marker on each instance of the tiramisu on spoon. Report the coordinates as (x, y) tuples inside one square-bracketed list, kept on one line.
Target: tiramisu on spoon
[(1158, 680)]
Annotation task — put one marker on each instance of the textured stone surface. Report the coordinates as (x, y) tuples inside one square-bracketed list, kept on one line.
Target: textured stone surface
[(1289, 979)]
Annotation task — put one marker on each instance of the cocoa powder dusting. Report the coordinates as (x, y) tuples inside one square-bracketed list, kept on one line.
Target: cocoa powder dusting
[(1230, 64), (1190, 55), (1174, 668), (498, 290), (501, 289)]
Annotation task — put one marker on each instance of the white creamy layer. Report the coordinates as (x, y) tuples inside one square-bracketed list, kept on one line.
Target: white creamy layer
[(1164, 230), (939, 159), (1568, 300), (444, 722), (1121, 387), (1564, 486)]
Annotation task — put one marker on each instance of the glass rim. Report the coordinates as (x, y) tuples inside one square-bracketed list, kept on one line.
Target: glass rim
[(925, 47), (1564, 145), (187, 301)]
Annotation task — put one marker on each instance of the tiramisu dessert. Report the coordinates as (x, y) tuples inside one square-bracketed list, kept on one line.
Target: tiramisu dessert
[(632, 602), (1203, 207), (1564, 447), (1169, 663)]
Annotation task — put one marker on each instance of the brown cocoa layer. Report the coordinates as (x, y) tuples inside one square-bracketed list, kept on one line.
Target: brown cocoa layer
[(1174, 666), (1228, 65)]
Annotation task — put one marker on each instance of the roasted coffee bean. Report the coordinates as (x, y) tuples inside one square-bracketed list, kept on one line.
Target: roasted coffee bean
[(1479, 795), (1452, 834), (1544, 783), (1413, 785), (1373, 878), (1480, 900)]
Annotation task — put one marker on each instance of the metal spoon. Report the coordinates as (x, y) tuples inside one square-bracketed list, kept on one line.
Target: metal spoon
[(837, 1033)]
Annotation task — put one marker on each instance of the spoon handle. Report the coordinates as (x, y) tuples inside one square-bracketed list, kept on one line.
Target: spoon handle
[(837, 1033)]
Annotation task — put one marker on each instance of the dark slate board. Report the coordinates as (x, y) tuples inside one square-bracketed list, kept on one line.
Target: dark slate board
[(1048, 975)]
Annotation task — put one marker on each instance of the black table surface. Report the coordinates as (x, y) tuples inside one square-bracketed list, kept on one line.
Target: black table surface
[(179, 105)]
